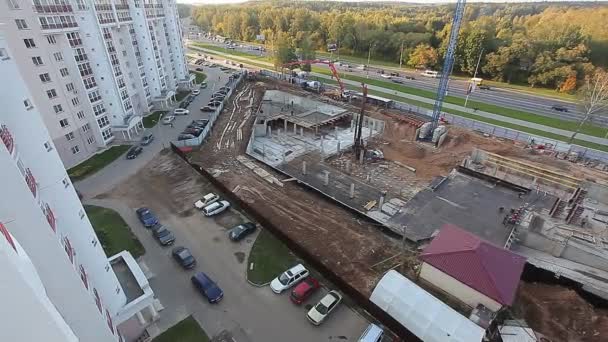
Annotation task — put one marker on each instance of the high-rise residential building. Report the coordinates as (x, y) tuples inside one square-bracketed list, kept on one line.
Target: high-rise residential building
[(57, 283), (95, 67)]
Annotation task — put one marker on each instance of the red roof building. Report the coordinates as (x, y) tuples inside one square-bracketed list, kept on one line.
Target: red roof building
[(471, 269)]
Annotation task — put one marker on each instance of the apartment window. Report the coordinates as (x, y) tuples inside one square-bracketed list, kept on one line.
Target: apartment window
[(89, 82), (69, 86), (51, 93), (66, 183), (37, 60), (13, 4), (51, 39), (47, 146), (107, 134), (74, 39), (94, 96), (4, 54), (85, 69), (81, 213), (86, 127), (99, 109), (80, 115), (28, 104), (103, 121), (124, 53), (64, 72), (124, 94), (45, 77), (75, 101), (58, 56), (29, 43), (90, 140), (21, 24), (75, 149), (58, 109), (63, 123), (80, 55), (70, 136), (121, 83)]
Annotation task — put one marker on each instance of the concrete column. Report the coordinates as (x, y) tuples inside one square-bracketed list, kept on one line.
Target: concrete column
[(295, 129), (153, 312), (302, 131), (336, 131), (304, 167), (326, 182), (338, 147), (361, 155), (279, 131), (348, 166), (352, 190), (140, 318), (269, 131), (381, 201), (285, 124)]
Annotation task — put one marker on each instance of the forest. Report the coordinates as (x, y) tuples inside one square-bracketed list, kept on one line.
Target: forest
[(553, 45)]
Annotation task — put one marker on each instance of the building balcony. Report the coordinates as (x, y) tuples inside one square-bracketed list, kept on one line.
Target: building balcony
[(103, 7), (59, 26), (122, 6), (53, 8)]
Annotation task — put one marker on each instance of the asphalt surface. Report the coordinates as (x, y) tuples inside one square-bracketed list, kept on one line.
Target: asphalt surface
[(503, 97)]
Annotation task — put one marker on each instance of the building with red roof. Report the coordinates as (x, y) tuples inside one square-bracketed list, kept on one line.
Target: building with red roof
[(471, 269)]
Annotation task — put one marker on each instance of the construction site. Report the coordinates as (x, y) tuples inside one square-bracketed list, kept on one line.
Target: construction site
[(352, 187)]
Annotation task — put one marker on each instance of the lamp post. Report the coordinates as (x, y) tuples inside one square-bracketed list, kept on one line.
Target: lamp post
[(474, 76), (369, 56), (401, 57)]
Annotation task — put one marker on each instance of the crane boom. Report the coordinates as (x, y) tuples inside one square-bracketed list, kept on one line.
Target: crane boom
[(315, 61), (448, 64)]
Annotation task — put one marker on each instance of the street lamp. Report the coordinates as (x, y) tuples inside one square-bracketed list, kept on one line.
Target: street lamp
[(369, 55)]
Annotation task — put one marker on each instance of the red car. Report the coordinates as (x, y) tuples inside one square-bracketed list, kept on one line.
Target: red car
[(304, 290)]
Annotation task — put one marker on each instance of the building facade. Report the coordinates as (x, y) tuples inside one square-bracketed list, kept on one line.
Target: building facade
[(54, 268), (95, 67)]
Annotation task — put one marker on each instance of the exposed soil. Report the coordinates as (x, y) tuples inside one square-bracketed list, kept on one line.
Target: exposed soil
[(560, 313)]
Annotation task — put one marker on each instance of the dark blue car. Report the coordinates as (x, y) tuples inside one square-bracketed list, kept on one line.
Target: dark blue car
[(207, 287), (147, 218)]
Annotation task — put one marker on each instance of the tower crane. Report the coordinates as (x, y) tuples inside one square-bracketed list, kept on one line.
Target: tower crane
[(448, 64)]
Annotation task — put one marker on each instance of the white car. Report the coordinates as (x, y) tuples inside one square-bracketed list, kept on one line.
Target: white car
[(324, 307), (386, 75), (288, 278), (215, 208), (167, 120), (206, 200), (196, 92), (181, 111)]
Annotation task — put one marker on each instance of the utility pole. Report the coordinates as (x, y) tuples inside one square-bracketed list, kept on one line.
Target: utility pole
[(474, 76), (358, 143), (403, 254), (401, 56), (369, 55)]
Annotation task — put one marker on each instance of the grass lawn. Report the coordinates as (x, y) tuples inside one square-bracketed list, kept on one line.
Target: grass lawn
[(180, 95), (152, 119), (270, 257), (96, 162), (187, 330), (113, 232), (200, 77)]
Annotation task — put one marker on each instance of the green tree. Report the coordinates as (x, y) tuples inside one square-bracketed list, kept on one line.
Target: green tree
[(423, 56), (307, 52), (284, 51)]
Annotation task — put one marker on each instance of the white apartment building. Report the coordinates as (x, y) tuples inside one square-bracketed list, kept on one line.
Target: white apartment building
[(95, 67), (57, 282)]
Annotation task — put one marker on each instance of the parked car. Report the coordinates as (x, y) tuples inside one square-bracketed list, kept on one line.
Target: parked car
[(395, 74), (484, 87), (224, 89), (193, 131), (207, 287), (386, 76), (214, 104), (185, 137), (146, 217), (183, 256), (134, 152), (216, 208), (207, 109), (201, 121), (239, 232), (224, 68), (206, 200), (199, 69), (559, 108), (304, 289), (396, 80), (181, 111), (196, 126), (326, 305), (289, 278), (168, 119), (408, 77), (147, 139), (372, 333), (196, 92), (203, 85), (163, 235)]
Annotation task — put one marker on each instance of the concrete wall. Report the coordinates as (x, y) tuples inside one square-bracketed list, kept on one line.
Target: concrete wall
[(597, 192), (457, 289)]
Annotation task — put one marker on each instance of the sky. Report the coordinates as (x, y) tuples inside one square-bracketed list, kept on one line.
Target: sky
[(410, 1)]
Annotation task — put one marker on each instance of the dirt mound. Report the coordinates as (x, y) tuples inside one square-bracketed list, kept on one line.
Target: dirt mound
[(560, 313)]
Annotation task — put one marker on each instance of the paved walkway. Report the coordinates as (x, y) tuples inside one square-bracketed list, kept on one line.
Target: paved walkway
[(562, 132)]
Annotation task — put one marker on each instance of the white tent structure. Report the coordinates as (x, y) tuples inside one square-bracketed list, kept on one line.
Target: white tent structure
[(424, 315)]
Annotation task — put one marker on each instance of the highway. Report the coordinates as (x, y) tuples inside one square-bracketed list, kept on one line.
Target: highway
[(502, 97)]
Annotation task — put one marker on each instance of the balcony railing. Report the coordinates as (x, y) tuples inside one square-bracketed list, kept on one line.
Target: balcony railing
[(122, 6), (53, 8), (103, 7), (58, 26), (50, 217), (31, 181), (7, 138)]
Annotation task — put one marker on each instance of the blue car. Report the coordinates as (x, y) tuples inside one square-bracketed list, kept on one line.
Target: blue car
[(207, 287), (147, 218)]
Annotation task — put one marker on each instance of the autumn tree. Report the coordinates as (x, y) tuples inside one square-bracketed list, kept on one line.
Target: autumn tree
[(569, 85), (284, 51), (423, 56), (593, 98)]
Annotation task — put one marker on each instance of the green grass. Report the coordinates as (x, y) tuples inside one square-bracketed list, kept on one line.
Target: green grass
[(200, 77), (113, 232), (180, 95), (597, 130), (187, 330), (96, 162), (270, 257), (152, 119)]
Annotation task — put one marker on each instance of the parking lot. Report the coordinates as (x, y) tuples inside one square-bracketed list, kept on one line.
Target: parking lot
[(247, 313)]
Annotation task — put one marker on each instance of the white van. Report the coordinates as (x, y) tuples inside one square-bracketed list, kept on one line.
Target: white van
[(215, 208), (373, 333), (206, 200), (430, 73)]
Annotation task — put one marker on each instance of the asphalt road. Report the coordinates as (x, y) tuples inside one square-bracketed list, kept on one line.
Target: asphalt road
[(502, 97)]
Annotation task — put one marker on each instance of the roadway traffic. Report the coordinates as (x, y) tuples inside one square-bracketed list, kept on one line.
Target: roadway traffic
[(502, 97)]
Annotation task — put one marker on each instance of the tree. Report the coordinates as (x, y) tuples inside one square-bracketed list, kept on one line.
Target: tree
[(569, 85), (423, 56), (307, 52), (593, 97), (284, 51)]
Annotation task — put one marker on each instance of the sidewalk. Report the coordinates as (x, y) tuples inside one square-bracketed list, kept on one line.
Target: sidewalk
[(497, 117)]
